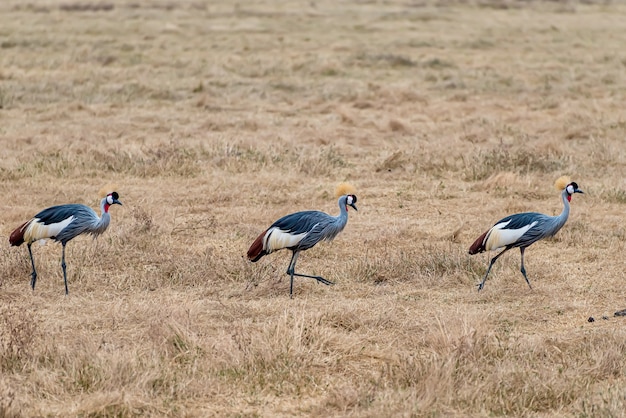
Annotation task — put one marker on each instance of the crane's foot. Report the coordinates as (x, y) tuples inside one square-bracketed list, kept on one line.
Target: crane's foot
[(324, 281), (480, 286), (320, 279), (33, 280)]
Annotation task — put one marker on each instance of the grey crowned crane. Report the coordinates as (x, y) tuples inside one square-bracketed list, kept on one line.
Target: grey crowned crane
[(302, 230), (63, 223), (523, 229)]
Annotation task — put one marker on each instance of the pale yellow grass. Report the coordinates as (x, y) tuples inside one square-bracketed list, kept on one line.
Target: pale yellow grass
[(215, 118)]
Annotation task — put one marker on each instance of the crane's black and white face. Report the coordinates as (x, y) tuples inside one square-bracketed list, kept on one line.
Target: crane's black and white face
[(350, 201), (571, 189), (112, 199)]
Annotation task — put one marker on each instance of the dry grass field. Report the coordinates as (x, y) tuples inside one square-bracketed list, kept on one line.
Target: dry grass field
[(214, 118)]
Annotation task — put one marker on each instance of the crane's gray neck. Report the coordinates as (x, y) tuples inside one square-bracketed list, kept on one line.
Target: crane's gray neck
[(102, 224), (343, 205), (562, 218), (342, 218)]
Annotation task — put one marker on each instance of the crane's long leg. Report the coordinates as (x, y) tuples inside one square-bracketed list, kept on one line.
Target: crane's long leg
[(33, 275), (291, 271), (64, 271), (523, 270), (493, 260)]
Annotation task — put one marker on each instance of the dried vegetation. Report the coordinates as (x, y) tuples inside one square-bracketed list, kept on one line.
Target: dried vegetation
[(215, 118)]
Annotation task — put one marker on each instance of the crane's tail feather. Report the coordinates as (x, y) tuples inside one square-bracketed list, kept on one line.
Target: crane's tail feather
[(479, 245), (256, 250), (17, 236)]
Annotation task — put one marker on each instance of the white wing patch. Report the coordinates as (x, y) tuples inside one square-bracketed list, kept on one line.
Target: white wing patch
[(276, 239), (36, 231), (500, 237)]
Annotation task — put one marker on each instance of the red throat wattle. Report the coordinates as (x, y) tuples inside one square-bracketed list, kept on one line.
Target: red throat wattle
[(106, 207), (569, 197)]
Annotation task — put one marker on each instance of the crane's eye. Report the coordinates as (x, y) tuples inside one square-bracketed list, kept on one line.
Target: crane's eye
[(110, 199), (570, 189), (351, 199)]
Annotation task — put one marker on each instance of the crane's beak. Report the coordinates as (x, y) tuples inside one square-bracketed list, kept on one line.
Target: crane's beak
[(354, 207), (579, 191), (117, 202)]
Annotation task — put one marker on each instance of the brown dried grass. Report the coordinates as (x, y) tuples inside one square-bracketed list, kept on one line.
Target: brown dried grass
[(214, 119)]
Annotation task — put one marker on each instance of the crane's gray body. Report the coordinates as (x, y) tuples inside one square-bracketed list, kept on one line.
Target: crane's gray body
[(84, 220), (542, 226), (315, 225), (522, 229)]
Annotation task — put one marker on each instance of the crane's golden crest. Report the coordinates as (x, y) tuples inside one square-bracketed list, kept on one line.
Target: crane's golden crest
[(108, 188), (562, 182), (343, 189)]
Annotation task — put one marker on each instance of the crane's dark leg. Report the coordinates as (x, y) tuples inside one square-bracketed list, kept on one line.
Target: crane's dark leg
[(318, 278), (493, 260), (292, 263), (33, 275), (292, 272), (523, 270), (64, 272)]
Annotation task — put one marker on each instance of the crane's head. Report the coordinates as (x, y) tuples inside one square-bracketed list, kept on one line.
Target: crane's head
[(350, 201), (346, 190), (111, 199), (571, 189)]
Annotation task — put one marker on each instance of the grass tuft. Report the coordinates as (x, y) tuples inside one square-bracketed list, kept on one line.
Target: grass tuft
[(429, 265), (614, 196), (18, 335), (484, 164)]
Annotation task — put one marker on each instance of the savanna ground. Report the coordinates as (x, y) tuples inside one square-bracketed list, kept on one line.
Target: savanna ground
[(214, 118)]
